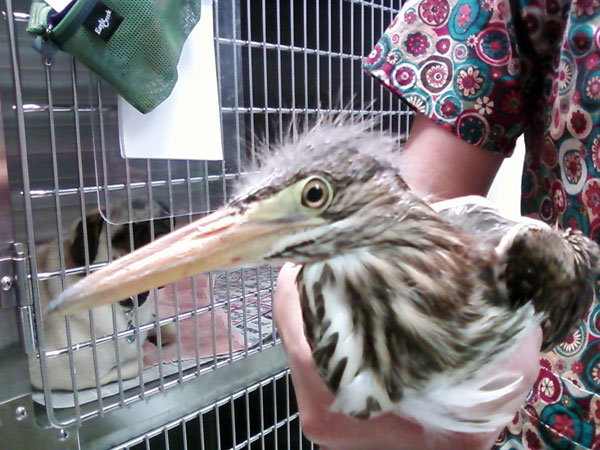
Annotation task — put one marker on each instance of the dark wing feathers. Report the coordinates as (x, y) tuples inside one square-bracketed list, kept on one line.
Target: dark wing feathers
[(554, 269), (557, 271)]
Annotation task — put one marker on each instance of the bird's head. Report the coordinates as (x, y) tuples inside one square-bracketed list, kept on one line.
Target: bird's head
[(331, 190)]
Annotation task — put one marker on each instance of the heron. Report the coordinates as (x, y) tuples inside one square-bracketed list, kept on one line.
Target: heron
[(405, 303)]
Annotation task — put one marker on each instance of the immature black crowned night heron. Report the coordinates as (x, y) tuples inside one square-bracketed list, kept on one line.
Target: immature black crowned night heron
[(404, 307)]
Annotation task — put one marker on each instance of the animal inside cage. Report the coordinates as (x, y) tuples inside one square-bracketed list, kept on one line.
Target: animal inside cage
[(198, 363)]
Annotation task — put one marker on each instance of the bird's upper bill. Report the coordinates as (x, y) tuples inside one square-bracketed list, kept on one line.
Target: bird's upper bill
[(230, 237), (300, 198)]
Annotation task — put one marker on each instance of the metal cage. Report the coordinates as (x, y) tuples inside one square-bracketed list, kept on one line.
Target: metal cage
[(212, 373)]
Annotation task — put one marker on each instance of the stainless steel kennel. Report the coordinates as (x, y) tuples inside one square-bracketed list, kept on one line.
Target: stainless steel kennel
[(223, 380)]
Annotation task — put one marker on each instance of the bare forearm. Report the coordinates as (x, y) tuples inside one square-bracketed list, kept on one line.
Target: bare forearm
[(439, 164)]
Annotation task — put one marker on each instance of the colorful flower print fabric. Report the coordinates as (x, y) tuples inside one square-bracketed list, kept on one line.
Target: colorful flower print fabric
[(488, 71)]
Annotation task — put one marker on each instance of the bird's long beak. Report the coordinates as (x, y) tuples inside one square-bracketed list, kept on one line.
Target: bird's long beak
[(223, 239)]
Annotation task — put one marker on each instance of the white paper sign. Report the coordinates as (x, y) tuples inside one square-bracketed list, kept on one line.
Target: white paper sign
[(186, 125), (58, 5)]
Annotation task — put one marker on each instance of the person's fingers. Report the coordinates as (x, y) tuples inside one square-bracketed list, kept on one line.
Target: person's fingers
[(286, 307), (528, 357)]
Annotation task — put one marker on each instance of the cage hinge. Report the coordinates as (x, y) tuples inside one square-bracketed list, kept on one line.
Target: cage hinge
[(15, 291)]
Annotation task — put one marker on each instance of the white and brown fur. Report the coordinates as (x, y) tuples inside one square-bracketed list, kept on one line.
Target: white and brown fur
[(97, 240)]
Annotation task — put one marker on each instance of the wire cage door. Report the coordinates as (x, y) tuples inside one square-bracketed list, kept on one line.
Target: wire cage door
[(77, 204)]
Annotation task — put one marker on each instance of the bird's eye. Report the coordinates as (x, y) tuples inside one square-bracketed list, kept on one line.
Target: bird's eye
[(315, 193)]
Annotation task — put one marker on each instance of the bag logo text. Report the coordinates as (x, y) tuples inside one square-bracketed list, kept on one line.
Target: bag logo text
[(103, 22)]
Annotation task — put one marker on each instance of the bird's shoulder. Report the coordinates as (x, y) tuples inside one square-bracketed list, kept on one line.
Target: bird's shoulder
[(478, 217)]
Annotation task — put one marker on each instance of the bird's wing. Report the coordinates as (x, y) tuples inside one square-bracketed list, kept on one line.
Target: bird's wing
[(554, 269)]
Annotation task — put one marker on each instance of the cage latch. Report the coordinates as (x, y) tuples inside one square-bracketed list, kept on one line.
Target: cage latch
[(15, 291)]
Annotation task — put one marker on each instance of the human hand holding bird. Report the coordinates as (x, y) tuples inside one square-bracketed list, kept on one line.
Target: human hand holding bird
[(406, 309)]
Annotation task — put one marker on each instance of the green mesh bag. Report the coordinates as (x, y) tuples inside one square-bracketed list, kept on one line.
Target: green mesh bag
[(134, 45)]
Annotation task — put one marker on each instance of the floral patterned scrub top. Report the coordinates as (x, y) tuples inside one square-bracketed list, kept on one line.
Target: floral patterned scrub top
[(487, 71)]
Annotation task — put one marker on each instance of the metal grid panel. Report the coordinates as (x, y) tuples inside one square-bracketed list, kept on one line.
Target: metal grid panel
[(281, 64), (231, 423)]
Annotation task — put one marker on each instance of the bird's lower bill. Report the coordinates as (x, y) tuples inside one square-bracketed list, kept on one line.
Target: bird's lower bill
[(223, 239)]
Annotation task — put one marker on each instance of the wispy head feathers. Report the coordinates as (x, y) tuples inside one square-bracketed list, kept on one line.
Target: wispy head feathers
[(329, 146)]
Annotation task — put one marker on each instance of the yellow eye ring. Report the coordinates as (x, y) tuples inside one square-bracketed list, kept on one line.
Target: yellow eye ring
[(316, 193)]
